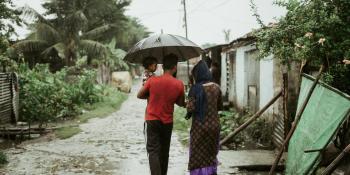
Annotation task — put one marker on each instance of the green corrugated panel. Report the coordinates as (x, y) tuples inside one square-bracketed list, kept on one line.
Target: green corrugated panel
[(325, 112)]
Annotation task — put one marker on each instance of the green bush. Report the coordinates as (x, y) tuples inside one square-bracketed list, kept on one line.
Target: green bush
[(260, 131), (230, 120), (46, 96), (3, 158)]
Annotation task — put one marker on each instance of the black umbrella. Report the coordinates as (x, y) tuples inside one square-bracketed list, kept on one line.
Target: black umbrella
[(160, 45)]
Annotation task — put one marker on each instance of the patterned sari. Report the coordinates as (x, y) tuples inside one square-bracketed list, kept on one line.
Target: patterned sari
[(205, 130)]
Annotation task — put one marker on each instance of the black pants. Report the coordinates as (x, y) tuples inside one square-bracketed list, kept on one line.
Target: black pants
[(158, 144)]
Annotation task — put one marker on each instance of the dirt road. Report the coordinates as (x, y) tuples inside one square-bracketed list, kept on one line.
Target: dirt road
[(112, 145), (109, 146)]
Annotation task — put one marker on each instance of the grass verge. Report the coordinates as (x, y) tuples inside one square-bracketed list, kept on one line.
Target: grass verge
[(181, 125), (112, 100), (66, 132)]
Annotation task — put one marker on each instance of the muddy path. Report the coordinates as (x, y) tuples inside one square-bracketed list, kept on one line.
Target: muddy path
[(112, 145)]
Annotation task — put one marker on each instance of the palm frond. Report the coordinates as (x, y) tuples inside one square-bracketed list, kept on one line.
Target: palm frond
[(47, 33), (93, 47), (112, 44), (31, 36), (97, 32), (30, 45), (76, 21), (59, 48), (119, 53), (32, 14)]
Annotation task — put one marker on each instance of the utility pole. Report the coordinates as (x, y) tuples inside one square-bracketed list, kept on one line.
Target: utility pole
[(185, 20), (185, 17)]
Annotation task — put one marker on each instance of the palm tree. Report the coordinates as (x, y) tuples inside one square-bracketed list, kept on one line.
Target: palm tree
[(62, 37)]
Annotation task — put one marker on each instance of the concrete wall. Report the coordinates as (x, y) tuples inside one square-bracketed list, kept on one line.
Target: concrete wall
[(223, 80), (232, 76), (241, 89), (270, 79), (266, 81)]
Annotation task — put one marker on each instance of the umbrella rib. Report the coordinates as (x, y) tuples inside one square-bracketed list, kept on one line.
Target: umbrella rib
[(191, 47), (180, 42), (162, 46), (177, 48), (195, 50)]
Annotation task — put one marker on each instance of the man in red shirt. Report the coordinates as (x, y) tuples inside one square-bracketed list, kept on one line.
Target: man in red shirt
[(162, 93)]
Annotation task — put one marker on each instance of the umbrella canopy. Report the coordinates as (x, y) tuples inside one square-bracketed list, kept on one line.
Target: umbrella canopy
[(160, 45)]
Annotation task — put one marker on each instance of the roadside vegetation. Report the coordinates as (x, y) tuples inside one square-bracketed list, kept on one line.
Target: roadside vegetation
[(60, 97), (3, 159), (65, 62), (313, 33), (257, 135)]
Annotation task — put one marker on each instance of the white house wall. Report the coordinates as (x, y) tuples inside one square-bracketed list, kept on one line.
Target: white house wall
[(266, 82), (223, 73), (241, 89)]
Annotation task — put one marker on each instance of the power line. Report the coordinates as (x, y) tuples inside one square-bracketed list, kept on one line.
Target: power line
[(144, 17), (159, 12), (195, 9), (221, 4)]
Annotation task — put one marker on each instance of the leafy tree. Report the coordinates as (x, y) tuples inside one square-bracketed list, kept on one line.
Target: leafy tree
[(68, 30), (60, 37), (8, 14), (130, 33), (73, 29), (313, 31), (8, 17)]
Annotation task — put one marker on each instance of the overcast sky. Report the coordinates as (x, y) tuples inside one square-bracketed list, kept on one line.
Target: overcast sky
[(206, 18)]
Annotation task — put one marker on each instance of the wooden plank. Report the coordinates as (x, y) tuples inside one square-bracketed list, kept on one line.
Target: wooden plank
[(5, 79), (5, 93), (5, 107), (5, 117), (5, 84), (22, 132), (6, 88), (5, 76), (259, 167), (5, 111), (248, 159), (5, 100)]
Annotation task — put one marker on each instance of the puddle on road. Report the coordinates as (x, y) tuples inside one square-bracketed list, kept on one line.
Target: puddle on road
[(107, 146)]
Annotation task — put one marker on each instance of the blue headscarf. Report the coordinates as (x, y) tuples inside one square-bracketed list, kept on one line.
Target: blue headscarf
[(201, 75)]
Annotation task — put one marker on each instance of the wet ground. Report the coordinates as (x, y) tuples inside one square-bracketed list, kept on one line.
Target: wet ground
[(112, 145)]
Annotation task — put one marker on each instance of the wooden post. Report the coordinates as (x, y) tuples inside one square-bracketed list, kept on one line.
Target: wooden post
[(296, 120), (336, 161), (285, 104), (254, 117)]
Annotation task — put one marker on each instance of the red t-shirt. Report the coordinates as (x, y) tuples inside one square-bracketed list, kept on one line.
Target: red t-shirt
[(164, 91)]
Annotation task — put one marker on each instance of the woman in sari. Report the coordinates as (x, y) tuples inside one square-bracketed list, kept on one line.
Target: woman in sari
[(203, 105)]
